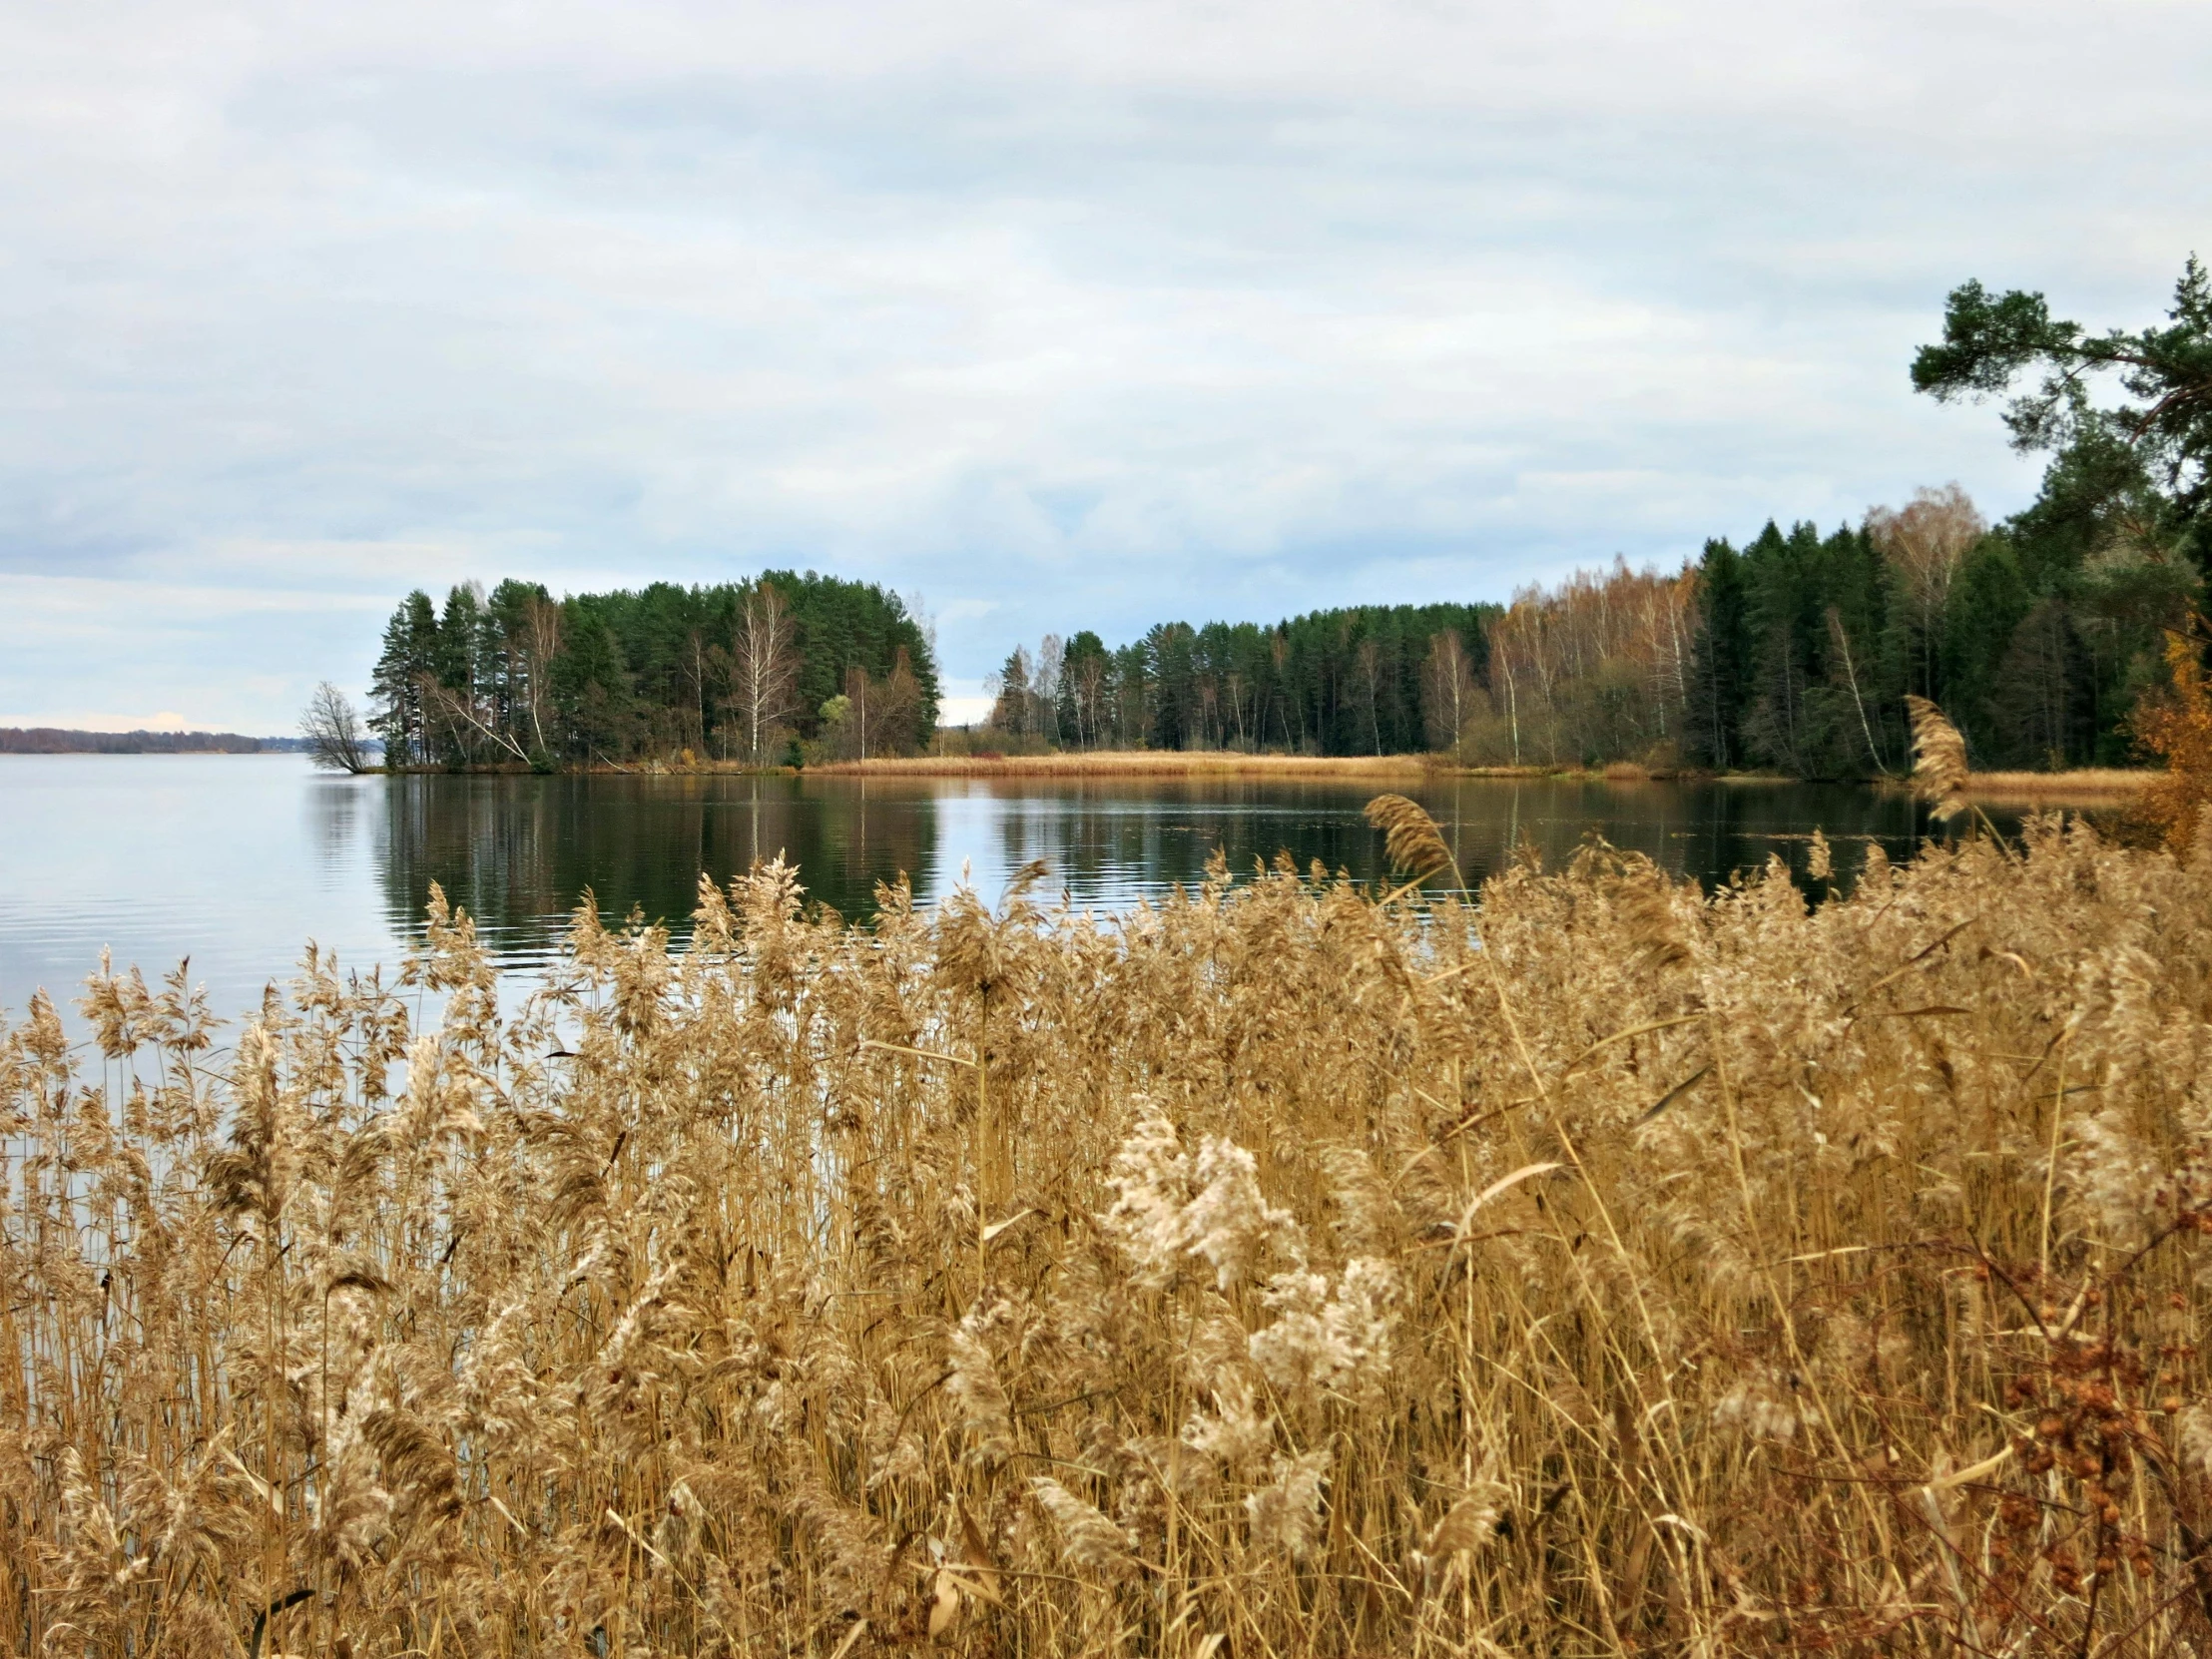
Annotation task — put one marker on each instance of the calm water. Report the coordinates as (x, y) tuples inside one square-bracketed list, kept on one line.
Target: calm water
[(237, 860)]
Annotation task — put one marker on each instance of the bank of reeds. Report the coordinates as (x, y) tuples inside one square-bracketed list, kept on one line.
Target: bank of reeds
[(1139, 763), (2081, 787), (1274, 1272)]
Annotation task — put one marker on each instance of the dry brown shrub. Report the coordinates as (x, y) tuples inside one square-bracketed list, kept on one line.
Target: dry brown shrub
[(2177, 727), (1607, 1268)]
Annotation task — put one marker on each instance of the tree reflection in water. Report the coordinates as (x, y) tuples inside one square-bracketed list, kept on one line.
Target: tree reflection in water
[(518, 851)]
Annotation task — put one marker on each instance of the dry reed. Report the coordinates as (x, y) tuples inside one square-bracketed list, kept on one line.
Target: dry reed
[(1611, 1268), (2077, 786), (1412, 839), (1138, 762), (1939, 760)]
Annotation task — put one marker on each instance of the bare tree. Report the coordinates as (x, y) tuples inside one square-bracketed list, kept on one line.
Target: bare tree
[(1502, 668), (333, 731), (539, 644), (859, 698), (763, 675), (1842, 637), (1369, 669), (1448, 688), (1925, 542), (464, 720), (1089, 695), (1051, 657), (898, 707)]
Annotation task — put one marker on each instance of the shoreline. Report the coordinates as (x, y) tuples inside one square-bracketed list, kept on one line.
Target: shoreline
[(2101, 786), (2081, 786), (2086, 786)]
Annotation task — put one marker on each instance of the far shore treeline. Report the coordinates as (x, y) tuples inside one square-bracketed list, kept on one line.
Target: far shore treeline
[(1793, 653), (2048, 638), (55, 739)]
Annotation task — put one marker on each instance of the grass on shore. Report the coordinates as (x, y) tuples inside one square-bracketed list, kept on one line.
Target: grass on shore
[(1275, 1271), (2082, 784), (1137, 762)]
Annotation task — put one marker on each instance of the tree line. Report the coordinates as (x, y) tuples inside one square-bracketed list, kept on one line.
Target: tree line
[(1371, 680), (1793, 652), (2044, 637), (54, 740), (2041, 637), (785, 667)]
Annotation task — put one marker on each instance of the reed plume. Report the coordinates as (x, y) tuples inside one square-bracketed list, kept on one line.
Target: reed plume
[(1412, 839), (1939, 760)]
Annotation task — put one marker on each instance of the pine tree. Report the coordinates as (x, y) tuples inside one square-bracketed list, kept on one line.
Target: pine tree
[(409, 656)]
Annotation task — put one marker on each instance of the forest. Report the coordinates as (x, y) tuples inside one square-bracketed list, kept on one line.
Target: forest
[(2040, 636), (1791, 653), (784, 668), (2043, 637), (1340, 682)]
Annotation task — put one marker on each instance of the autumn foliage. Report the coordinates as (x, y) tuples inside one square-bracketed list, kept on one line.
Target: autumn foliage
[(2177, 727)]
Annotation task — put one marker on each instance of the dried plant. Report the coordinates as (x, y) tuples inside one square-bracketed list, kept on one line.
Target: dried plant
[(2177, 727), (1939, 760), (1606, 1267), (1412, 839)]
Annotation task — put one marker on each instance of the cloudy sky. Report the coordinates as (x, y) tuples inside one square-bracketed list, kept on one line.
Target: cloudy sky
[(1058, 315)]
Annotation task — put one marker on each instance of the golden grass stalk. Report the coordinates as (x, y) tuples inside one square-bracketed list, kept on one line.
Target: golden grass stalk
[(1135, 763), (2076, 786), (1412, 839), (1939, 760)]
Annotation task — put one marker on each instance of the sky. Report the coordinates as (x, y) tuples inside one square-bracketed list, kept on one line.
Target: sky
[(1048, 316)]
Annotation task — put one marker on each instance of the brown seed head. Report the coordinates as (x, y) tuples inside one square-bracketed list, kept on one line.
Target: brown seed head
[(1410, 837), (1939, 760)]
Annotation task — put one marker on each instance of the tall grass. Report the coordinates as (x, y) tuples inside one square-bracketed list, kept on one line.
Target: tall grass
[(2080, 786), (1140, 763), (1276, 1271)]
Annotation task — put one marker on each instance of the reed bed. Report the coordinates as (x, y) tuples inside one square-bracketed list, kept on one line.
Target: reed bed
[(2083, 786), (1280, 1271), (1142, 762)]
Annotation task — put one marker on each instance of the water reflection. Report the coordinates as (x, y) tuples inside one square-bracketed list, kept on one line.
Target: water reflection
[(333, 824), (237, 860), (518, 851)]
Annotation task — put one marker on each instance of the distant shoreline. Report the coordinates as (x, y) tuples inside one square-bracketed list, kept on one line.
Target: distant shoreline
[(56, 739)]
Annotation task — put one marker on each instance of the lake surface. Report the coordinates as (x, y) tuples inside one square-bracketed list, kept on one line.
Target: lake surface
[(237, 860)]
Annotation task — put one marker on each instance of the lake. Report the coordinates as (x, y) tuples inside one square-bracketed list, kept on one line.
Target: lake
[(237, 860)]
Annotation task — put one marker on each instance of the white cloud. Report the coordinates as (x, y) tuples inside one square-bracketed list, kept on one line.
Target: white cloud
[(1083, 314)]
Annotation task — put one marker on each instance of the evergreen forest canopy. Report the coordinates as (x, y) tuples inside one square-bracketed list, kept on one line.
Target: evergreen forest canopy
[(1343, 681), (780, 668), (2040, 636)]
